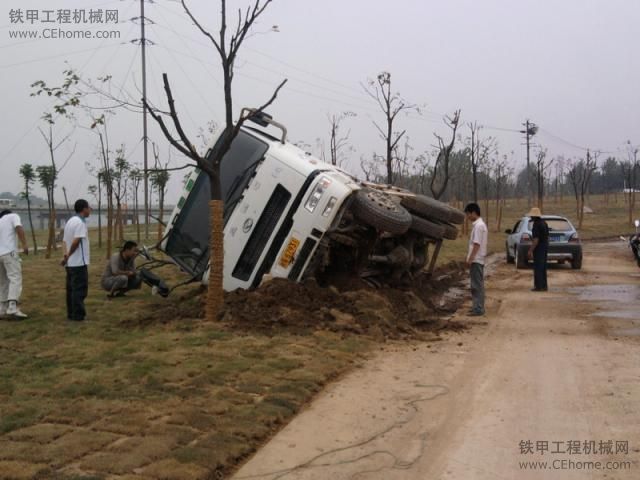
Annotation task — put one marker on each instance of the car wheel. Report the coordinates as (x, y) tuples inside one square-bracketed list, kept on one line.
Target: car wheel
[(379, 210), (576, 263), (510, 259), (521, 260)]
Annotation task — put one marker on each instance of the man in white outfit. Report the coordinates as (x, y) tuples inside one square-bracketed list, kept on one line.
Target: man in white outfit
[(10, 264), (475, 258)]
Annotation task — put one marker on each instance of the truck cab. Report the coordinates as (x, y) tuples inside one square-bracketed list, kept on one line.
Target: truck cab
[(288, 214)]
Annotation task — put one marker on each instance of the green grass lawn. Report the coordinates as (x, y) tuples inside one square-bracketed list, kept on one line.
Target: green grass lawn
[(109, 397)]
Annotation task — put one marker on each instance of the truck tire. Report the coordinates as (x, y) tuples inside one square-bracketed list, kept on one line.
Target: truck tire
[(450, 232), (427, 228), (380, 211), (432, 209)]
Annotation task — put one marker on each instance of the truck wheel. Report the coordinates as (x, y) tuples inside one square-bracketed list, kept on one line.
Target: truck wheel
[(510, 259), (450, 232), (576, 263), (427, 228), (380, 211), (432, 209)]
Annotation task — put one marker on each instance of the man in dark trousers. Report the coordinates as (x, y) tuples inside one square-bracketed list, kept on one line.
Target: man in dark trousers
[(76, 260), (538, 250)]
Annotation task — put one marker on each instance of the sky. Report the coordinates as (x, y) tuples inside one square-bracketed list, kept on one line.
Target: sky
[(570, 66)]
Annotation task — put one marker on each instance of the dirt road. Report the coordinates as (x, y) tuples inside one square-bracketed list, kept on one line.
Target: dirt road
[(551, 377)]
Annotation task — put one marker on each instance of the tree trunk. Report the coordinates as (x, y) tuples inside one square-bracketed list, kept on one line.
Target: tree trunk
[(51, 234), (161, 214), (99, 215), (500, 209), (33, 232), (119, 224), (215, 292), (136, 215), (109, 227)]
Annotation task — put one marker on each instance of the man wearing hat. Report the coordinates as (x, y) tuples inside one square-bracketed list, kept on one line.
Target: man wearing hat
[(538, 250)]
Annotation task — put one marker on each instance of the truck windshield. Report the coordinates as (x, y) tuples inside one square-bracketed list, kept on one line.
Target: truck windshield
[(188, 242)]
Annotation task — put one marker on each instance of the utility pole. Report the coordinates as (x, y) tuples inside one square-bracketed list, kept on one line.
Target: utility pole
[(530, 130), (143, 44)]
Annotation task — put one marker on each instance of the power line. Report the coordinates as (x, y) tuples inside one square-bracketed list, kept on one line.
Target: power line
[(560, 139)]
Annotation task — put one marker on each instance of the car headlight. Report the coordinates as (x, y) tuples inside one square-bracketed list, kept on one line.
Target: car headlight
[(316, 194), (330, 206)]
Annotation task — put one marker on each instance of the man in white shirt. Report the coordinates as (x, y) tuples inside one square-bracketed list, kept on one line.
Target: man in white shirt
[(76, 260), (475, 258), (10, 264)]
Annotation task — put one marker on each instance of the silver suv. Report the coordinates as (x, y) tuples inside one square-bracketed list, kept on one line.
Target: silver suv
[(564, 241)]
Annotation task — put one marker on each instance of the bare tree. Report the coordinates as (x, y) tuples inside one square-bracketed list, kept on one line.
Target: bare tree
[(105, 173), (630, 171), (369, 167), (580, 176), (391, 104), (120, 176), (227, 44), (440, 173), (338, 141), (28, 174), (135, 178), (479, 150), (502, 172), (541, 168), (96, 192), (159, 179), (422, 170), (51, 177)]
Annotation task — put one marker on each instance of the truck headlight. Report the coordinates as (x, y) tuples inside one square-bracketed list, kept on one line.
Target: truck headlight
[(329, 208), (316, 194)]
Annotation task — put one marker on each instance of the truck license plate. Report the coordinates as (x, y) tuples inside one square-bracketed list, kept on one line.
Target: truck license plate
[(289, 252)]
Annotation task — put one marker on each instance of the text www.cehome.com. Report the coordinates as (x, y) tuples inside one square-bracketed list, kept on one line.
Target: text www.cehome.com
[(566, 464)]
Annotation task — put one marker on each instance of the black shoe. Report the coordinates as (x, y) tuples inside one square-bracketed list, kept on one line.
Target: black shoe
[(476, 314)]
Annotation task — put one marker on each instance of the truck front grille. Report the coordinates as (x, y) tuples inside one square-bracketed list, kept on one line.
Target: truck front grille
[(301, 259), (262, 233)]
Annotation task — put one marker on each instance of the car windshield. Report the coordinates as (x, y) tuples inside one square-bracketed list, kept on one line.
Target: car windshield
[(555, 225), (188, 242)]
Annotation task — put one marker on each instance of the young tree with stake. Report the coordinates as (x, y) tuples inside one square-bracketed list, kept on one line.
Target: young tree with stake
[(227, 44), (28, 175)]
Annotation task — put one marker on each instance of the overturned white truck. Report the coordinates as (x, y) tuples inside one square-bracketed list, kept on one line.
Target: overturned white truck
[(288, 214)]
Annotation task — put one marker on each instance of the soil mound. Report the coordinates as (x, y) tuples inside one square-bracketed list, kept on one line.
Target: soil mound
[(347, 305)]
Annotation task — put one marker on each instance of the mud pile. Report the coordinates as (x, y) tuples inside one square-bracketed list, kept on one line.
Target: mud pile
[(347, 305)]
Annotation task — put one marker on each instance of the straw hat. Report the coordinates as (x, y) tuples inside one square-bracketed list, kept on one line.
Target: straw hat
[(535, 212)]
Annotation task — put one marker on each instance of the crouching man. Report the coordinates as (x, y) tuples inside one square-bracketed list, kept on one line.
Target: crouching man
[(120, 273)]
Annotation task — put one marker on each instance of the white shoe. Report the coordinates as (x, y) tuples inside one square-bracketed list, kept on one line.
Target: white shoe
[(14, 311)]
